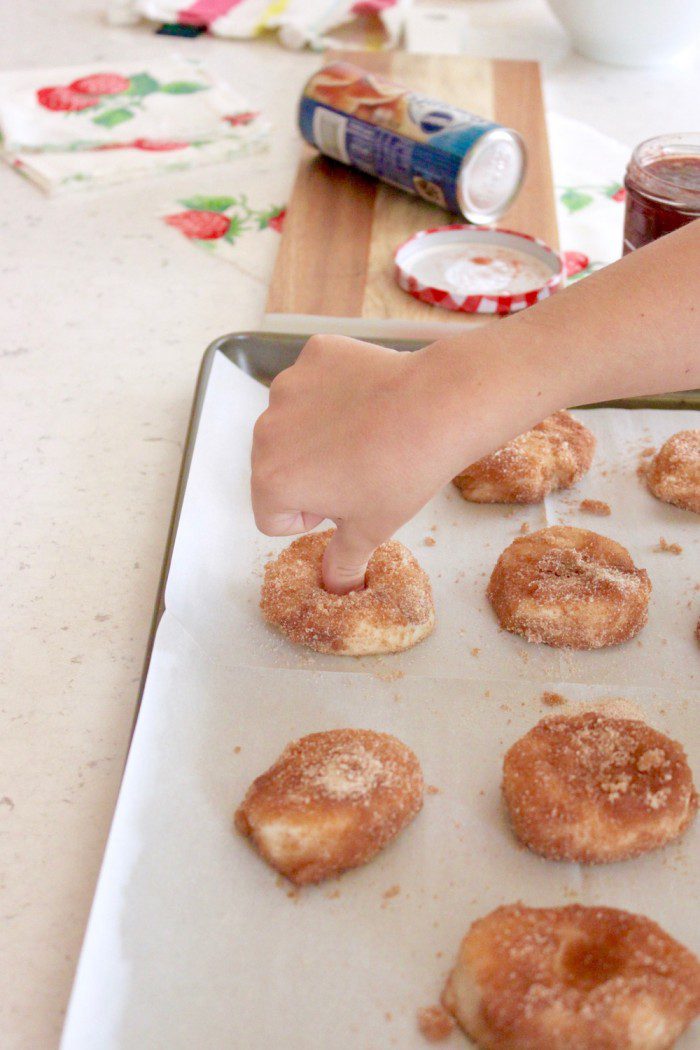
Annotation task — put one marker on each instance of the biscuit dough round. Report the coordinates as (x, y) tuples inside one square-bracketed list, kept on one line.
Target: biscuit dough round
[(553, 455), (395, 610), (569, 588), (572, 978), (674, 472), (596, 789), (331, 801)]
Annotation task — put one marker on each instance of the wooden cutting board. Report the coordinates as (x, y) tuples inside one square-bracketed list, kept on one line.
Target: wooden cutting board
[(342, 227)]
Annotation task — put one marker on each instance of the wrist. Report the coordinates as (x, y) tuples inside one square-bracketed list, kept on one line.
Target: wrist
[(487, 386)]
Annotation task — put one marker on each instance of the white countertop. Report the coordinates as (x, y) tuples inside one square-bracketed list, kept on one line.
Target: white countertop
[(105, 317)]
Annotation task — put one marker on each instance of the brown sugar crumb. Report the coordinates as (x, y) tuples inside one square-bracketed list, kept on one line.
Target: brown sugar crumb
[(390, 676), (525, 527), (668, 548), (393, 891), (432, 790), (429, 541), (649, 450), (237, 749), (434, 1023), (553, 699), (595, 506), (476, 651)]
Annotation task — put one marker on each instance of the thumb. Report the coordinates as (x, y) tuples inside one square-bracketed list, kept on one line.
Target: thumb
[(345, 560)]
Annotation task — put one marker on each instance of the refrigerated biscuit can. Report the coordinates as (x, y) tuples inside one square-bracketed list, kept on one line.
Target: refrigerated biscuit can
[(456, 159)]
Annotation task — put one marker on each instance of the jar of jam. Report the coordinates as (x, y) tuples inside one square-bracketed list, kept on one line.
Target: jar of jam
[(663, 188)]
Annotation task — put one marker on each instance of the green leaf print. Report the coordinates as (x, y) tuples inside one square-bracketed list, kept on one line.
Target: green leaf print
[(263, 217), (574, 199), (237, 227), (142, 84), (183, 87), (200, 203), (612, 188), (112, 117)]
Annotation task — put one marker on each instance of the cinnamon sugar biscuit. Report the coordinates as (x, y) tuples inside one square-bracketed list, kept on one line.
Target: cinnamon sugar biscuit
[(393, 612), (553, 455), (569, 588), (674, 473), (572, 978), (595, 789), (331, 801)]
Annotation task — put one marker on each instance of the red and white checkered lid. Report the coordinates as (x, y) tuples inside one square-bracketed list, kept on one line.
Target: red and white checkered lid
[(477, 269)]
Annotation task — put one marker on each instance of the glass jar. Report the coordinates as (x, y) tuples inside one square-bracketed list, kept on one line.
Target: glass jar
[(663, 188)]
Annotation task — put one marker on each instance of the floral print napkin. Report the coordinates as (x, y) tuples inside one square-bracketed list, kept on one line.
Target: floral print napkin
[(74, 128), (89, 108), (588, 170), (232, 227)]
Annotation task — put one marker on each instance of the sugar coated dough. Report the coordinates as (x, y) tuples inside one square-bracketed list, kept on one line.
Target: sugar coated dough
[(596, 789), (674, 473), (393, 612), (573, 978), (331, 801), (569, 588), (553, 455)]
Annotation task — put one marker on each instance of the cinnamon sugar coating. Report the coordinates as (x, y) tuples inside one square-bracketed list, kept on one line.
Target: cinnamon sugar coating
[(393, 612), (674, 472), (595, 789), (569, 588), (553, 455), (331, 802), (573, 978)]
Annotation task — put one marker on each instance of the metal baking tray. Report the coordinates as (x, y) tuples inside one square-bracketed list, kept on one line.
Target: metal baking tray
[(263, 355)]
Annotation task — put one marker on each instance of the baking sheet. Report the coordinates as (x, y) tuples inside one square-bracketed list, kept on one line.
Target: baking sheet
[(192, 940)]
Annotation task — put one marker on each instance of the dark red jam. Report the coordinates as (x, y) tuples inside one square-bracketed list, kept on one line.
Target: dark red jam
[(663, 188)]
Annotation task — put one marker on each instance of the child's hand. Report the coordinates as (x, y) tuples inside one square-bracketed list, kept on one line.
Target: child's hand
[(365, 436)]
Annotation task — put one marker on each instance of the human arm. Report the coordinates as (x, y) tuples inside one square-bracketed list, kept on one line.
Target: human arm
[(365, 436)]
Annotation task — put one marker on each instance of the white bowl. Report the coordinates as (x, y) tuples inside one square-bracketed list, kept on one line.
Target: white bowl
[(630, 32)]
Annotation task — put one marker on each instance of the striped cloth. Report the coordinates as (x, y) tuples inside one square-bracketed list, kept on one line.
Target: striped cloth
[(375, 24)]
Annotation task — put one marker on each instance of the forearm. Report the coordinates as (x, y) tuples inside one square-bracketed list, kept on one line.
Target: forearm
[(365, 436), (632, 328)]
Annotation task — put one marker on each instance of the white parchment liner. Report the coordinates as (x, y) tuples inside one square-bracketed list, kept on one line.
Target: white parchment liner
[(192, 940)]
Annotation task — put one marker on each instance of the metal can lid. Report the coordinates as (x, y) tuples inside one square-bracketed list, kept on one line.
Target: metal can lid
[(491, 175), (477, 269)]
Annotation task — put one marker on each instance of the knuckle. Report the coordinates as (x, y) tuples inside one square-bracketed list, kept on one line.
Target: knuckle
[(261, 433), (279, 385), (314, 346)]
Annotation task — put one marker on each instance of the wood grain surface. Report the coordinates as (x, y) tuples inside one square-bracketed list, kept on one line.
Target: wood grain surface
[(342, 227)]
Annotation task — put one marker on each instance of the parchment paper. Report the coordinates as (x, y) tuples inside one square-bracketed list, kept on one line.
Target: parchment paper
[(193, 941)]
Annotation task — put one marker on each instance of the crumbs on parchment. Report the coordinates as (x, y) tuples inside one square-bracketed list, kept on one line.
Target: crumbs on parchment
[(668, 548), (595, 506), (434, 1023)]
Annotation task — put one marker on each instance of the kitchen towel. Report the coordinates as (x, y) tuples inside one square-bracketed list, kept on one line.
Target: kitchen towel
[(588, 170), (239, 224), (67, 128), (371, 24)]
